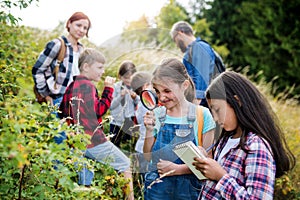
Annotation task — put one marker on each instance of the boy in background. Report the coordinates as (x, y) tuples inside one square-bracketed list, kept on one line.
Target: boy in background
[(81, 104)]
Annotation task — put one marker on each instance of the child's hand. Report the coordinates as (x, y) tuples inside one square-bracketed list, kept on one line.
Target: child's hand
[(164, 166), (123, 92), (203, 151), (133, 94), (209, 168), (149, 120), (109, 81), (49, 99)]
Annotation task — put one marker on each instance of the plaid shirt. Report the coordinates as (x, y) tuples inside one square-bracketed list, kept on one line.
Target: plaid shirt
[(81, 101), (42, 70), (249, 175)]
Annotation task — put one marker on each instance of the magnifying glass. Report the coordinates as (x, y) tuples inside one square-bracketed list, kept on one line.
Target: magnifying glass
[(149, 99)]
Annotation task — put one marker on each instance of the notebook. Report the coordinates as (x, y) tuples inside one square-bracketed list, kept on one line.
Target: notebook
[(187, 151)]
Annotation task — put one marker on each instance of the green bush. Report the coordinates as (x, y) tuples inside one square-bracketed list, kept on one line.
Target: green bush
[(33, 166), (27, 150)]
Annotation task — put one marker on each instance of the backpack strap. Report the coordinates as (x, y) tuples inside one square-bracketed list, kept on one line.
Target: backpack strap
[(200, 121), (190, 58), (60, 58), (196, 112), (219, 65)]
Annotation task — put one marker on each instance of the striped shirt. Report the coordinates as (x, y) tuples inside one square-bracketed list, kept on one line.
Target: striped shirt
[(42, 70), (249, 175)]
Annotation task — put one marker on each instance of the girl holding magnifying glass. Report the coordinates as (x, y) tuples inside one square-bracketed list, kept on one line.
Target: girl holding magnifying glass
[(172, 123)]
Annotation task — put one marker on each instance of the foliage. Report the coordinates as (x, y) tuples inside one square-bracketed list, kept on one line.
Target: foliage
[(29, 167), (196, 9), (33, 166), (174, 12), (140, 31), (6, 17), (27, 152), (12, 54), (274, 49), (224, 21), (262, 35), (287, 111), (169, 14)]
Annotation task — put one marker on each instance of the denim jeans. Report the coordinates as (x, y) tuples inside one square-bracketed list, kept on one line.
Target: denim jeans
[(172, 187), (85, 177)]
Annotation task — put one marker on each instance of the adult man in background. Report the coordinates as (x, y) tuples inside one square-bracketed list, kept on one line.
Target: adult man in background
[(199, 57)]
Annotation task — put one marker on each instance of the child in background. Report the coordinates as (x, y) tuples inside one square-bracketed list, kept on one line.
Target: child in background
[(82, 96), (172, 123), (251, 151), (122, 107), (141, 81)]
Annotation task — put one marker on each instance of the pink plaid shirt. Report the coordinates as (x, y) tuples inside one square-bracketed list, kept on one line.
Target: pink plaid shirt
[(250, 175)]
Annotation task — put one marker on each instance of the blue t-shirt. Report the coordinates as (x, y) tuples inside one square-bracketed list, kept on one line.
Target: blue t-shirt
[(208, 123)]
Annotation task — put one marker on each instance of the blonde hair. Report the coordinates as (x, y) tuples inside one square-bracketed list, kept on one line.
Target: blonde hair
[(90, 56)]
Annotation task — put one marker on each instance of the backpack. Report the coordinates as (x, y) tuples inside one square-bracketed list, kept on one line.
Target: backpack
[(219, 65), (60, 57)]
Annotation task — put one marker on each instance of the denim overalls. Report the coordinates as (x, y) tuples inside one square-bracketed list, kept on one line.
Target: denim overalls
[(183, 187)]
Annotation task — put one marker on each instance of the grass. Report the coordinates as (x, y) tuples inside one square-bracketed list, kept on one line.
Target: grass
[(287, 110)]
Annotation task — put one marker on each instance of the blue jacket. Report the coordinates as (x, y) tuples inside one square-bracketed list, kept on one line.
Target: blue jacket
[(199, 61)]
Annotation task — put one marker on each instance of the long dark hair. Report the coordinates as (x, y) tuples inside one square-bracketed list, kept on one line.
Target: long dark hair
[(127, 67), (254, 114)]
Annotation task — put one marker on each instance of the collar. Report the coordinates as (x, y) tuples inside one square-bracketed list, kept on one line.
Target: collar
[(68, 43), (198, 39), (80, 77)]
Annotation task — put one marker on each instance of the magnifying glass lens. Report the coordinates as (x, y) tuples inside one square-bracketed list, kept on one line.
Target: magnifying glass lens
[(149, 99)]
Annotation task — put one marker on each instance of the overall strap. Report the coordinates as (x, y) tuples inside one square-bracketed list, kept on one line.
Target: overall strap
[(191, 117), (162, 115)]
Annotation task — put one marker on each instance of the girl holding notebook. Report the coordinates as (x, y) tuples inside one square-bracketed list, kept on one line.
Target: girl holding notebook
[(251, 150)]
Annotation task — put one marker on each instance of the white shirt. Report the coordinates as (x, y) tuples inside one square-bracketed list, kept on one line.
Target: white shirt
[(75, 68), (232, 142)]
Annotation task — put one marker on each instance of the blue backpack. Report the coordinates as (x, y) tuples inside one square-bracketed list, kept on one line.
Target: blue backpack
[(219, 65)]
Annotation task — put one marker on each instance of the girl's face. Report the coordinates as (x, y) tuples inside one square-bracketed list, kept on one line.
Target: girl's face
[(126, 79), (79, 28), (223, 114), (95, 71), (169, 94)]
